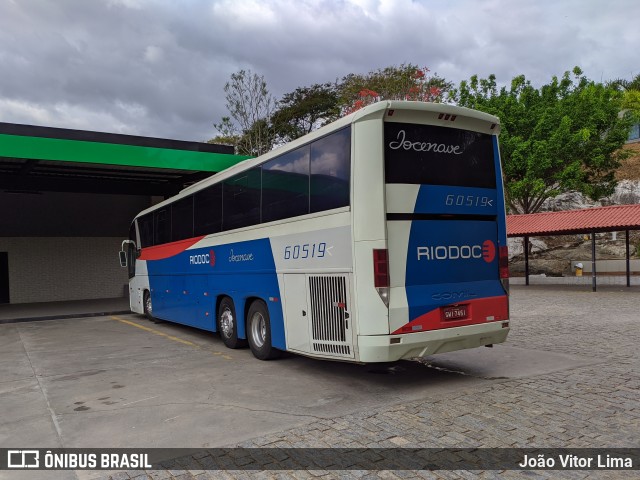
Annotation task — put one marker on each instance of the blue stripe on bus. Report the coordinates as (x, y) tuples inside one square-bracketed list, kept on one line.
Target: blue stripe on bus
[(444, 199), (449, 258), (186, 286)]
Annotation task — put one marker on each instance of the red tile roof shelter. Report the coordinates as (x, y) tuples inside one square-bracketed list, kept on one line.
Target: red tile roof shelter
[(588, 220)]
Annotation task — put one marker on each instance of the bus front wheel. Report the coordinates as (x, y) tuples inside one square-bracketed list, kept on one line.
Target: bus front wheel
[(228, 324), (147, 305), (259, 332)]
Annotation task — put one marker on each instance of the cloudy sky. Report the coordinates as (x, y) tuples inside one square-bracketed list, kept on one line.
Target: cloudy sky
[(158, 67)]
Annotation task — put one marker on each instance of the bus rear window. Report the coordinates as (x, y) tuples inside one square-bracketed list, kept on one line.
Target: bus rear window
[(431, 155)]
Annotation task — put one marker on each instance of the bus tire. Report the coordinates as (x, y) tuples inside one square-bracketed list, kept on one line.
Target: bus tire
[(228, 324), (147, 305), (259, 332)]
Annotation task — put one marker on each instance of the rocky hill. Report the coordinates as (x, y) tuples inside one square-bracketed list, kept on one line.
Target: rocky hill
[(627, 192)]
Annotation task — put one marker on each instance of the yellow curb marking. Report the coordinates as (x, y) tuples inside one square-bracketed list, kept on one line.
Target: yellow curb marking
[(168, 337)]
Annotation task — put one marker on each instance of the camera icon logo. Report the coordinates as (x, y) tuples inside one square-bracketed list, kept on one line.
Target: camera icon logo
[(23, 459)]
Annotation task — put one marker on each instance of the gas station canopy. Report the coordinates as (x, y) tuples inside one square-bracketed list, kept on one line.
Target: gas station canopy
[(34, 158)]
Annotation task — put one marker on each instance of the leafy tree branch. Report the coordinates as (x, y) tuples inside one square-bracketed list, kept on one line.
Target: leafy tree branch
[(564, 136)]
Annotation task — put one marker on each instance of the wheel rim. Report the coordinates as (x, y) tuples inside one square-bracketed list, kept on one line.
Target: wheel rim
[(258, 329), (147, 304), (226, 323)]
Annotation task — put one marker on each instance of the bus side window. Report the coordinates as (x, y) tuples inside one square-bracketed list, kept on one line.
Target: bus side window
[(182, 219), (330, 171), (207, 210), (241, 200), (145, 228), (285, 186), (161, 226)]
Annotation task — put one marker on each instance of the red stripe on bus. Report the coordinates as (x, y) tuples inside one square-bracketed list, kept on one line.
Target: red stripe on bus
[(167, 250), (478, 312)]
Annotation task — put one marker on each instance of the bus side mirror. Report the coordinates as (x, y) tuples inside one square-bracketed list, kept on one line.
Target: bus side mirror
[(123, 258)]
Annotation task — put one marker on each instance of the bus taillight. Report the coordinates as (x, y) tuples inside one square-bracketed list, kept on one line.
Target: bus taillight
[(504, 262), (381, 273), (503, 266)]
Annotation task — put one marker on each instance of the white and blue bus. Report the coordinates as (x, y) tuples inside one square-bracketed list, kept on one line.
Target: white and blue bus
[(379, 237)]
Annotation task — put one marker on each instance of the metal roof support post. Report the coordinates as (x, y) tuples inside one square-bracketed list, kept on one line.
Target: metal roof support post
[(526, 259), (628, 261), (593, 261)]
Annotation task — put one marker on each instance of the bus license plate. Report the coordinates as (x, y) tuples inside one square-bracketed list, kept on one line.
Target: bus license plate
[(454, 313)]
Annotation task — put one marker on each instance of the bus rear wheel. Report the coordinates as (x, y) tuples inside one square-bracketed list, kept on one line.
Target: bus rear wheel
[(228, 324), (259, 332)]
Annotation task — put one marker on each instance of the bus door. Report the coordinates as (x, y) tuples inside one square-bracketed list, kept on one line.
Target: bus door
[(136, 270), (444, 238)]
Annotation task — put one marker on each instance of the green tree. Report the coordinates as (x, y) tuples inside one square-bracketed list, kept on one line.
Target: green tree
[(251, 106), (256, 122), (565, 136), (633, 84), (631, 99), (304, 110), (404, 82), (631, 102), (227, 134)]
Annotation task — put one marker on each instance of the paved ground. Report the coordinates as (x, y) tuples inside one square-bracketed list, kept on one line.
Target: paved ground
[(24, 312), (569, 377)]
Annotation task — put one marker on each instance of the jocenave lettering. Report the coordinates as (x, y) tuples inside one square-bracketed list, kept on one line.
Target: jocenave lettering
[(423, 146)]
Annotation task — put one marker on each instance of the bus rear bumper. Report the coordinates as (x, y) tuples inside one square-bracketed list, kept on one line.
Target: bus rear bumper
[(389, 348)]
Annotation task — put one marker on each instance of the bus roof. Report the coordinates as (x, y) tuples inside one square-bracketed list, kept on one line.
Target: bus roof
[(368, 111)]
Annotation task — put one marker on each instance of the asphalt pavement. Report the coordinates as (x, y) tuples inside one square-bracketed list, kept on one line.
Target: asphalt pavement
[(568, 376)]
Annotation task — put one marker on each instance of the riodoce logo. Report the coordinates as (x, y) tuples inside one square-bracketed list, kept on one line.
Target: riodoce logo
[(486, 251), (423, 146)]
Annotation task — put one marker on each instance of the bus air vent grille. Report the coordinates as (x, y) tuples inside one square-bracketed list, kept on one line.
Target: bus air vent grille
[(329, 317), (331, 348)]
